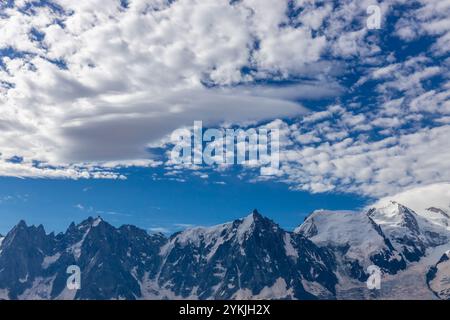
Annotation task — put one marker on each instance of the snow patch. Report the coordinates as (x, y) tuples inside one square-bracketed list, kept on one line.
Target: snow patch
[(23, 280), (151, 290), (290, 250), (198, 235), (96, 222), (4, 294), (40, 290), (76, 248), (1, 241), (245, 228), (279, 290), (49, 260)]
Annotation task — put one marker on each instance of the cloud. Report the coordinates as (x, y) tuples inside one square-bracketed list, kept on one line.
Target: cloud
[(360, 166), (88, 87), (430, 18), (81, 75), (421, 198)]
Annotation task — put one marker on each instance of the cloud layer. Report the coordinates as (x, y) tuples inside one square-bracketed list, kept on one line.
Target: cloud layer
[(88, 86)]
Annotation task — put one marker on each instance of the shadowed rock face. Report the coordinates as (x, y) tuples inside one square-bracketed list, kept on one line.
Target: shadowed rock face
[(438, 277), (109, 259), (243, 258), (247, 258), (22, 252)]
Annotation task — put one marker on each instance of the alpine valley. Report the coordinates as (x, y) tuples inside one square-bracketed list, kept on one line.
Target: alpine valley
[(326, 257)]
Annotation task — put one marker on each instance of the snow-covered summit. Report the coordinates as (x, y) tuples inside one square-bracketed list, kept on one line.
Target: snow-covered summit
[(346, 229), (326, 257), (399, 222), (240, 229), (395, 216)]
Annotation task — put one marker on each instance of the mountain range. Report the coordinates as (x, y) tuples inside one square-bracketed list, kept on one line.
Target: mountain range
[(327, 257)]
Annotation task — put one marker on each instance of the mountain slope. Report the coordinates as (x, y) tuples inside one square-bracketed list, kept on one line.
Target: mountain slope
[(393, 238), (33, 265), (327, 257), (356, 241), (245, 258), (438, 277), (410, 233)]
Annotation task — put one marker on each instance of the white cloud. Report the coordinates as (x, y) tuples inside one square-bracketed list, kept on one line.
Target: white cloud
[(421, 198), (371, 168), (431, 18), (123, 78), (106, 82)]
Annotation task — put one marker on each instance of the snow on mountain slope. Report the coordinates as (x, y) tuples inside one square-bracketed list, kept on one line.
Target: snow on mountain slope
[(399, 219), (252, 254), (410, 283), (1, 241), (420, 198), (326, 258), (4, 294), (403, 243), (437, 216), (280, 289), (211, 238), (409, 232), (343, 228), (356, 240), (438, 277)]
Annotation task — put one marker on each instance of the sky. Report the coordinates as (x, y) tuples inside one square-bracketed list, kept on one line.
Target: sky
[(91, 91)]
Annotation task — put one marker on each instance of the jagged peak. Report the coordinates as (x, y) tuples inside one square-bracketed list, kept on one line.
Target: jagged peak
[(395, 215), (252, 222), (255, 216), (243, 228), (72, 226), (97, 221), (85, 226), (395, 204), (128, 228), (255, 213), (92, 222), (393, 208), (22, 224), (22, 232)]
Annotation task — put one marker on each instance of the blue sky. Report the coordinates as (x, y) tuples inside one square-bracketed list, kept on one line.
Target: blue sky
[(165, 206), (90, 92)]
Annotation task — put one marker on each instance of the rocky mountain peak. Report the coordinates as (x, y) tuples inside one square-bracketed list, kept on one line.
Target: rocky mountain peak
[(251, 257)]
